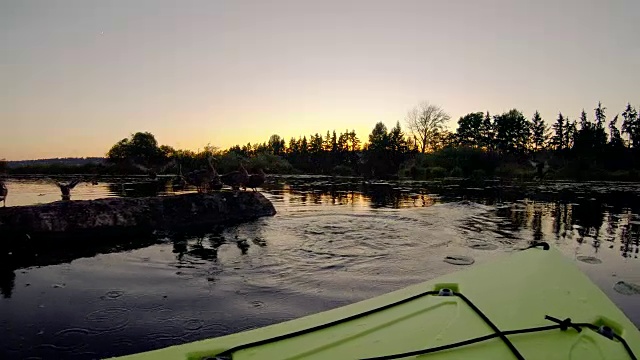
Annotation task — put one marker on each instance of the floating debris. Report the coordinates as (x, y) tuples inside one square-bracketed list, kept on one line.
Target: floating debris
[(459, 260), (243, 245), (626, 288), (260, 241), (589, 259)]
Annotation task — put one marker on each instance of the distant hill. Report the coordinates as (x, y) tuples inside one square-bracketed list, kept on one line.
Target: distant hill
[(56, 161)]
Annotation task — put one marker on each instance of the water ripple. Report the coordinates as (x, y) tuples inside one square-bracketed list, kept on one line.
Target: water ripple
[(108, 319), (112, 295), (313, 256)]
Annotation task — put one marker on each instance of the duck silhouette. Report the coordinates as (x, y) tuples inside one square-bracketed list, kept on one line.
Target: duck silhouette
[(65, 188), (202, 178), (153, 171), (542, 168), (236, 179)]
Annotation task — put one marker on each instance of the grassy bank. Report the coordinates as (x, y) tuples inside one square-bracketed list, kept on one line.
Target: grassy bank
[(475, 163), (452, 162)]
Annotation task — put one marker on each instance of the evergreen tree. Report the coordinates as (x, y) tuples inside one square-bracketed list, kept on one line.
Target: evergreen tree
[(334, 143), (569, 133), (539, 131), (631, 125), (584, 122), (354, 141), (326, 144), (397, 145), (600, 116), (378, 162), (592, 137), (615, 141), (315, 144), (559, 130), (343, 142), (397, 142), (294, 147), (487, 132), (379, 138)]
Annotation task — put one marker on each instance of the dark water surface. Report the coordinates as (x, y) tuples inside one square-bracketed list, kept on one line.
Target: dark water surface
[(333, 242)]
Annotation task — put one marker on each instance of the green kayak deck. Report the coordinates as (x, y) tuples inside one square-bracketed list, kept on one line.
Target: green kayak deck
[(513, 293)]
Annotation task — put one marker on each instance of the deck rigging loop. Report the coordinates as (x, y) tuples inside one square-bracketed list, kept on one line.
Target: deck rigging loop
[(562, 325)]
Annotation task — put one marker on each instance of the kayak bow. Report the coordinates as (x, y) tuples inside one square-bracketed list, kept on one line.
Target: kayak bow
[(533, 304)]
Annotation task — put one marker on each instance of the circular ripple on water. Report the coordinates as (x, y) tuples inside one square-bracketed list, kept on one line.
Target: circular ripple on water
[(165, 337), (122, 343), (459, 260), (627, 288), (71, 339), (108, 319), (112, 295), (151, 303), (256, 303), (217, 329), (73, 331), (483, 246), (589, 259), (193, 324)]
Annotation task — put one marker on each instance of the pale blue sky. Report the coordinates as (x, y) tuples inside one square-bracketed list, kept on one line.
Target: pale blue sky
[(77, 76)]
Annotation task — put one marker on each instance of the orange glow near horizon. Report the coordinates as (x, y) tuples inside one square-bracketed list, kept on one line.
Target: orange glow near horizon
[(83, 75)]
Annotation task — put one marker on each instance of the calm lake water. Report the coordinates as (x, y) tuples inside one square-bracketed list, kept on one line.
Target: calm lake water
[(333, 242)]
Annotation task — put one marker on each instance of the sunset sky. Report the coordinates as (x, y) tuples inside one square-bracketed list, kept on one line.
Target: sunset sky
[(77, 76)]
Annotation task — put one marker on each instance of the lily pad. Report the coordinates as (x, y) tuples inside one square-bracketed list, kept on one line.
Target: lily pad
[(626, 288), (589, 259), (483, 246), (459, 260)]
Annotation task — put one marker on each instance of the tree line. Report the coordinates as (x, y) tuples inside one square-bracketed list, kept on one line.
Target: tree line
[(512, 132), (481, 144), (481, 141)]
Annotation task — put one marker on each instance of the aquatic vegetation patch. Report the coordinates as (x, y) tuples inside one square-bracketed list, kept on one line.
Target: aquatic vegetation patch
[(459, 260), (626, 288)]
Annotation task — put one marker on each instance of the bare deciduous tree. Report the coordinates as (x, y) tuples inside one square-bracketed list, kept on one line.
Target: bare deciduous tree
[(425, 122)]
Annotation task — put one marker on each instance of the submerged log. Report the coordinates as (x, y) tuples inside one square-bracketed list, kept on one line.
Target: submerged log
[(145, 213)]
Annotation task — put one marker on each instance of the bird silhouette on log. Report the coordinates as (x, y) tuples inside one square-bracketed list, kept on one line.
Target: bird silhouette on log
[(4, 191), (203, 179), (256, 180), (236, 179)]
